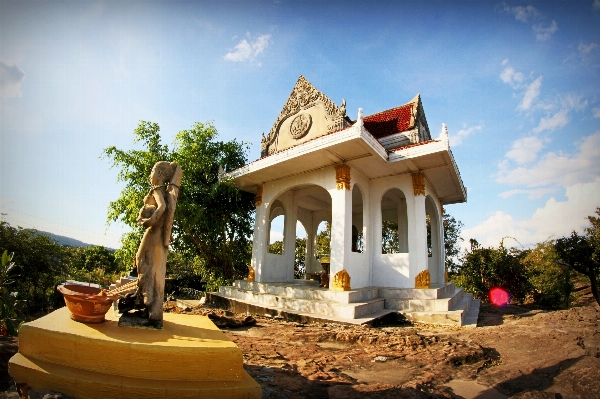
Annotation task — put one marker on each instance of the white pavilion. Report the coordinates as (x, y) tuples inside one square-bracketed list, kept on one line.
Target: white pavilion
[(316, 165)]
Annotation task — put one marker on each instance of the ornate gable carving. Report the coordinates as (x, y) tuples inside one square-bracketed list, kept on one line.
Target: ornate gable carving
[(303, 97)]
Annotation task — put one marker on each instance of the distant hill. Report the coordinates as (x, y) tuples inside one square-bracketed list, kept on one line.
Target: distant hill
[(62, 240)]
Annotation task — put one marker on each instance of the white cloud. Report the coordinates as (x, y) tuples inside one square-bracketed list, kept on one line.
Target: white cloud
[(11, 77), (247, 50), (557, 169), (534, 193), (516, 80), (521, 13), (542, 33), (510, 76), (555, 219), (275, 236), (531, 94), (456, 140), (585, 49), (530, 13), (596, 111), (596, 5), (559, 119), (525, 150)]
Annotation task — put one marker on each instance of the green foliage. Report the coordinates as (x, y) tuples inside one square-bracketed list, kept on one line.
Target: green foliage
[(582, 253), (213, 219), (300, 259), (324, 241), (9, 319), (98, 257), (452, 241), (276, 248), (485, 268), (42, 264), (551, 281), (390, 243)]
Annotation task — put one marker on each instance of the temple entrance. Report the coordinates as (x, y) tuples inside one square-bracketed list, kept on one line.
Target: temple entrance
[(294, 219)]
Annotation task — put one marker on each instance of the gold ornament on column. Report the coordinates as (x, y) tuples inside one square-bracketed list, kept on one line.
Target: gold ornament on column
[(418, 180), (258, 197), (341, 281), (251, 274), (423, 279), (342, 177)]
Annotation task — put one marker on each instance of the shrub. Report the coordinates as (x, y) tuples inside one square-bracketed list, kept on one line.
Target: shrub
[(551, 281), (485, 268)]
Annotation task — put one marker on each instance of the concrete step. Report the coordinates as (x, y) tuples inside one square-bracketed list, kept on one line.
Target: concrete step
[(307, 291), (240, 306), (465, 310), (445, 305), (470, 320), (315, 306), (417, 293)]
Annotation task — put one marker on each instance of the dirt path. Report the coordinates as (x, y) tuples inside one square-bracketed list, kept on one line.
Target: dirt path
[(518, 352)]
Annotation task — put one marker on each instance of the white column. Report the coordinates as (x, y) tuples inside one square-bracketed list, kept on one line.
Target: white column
[(442, 249), (341, 229), (291, 217), (402, 230), (260, 241), (417, 236), (310, 248)]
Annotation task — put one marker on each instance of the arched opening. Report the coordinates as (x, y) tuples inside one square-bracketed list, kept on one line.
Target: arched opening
[(358, 242), (300, 252), (277, 229), (394, 222), (293, 218), (323, 240)]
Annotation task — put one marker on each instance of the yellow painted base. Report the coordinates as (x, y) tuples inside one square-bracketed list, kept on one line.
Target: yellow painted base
[(188, 358)]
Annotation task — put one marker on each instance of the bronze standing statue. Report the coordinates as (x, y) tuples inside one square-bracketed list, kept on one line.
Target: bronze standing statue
[(156, 215)]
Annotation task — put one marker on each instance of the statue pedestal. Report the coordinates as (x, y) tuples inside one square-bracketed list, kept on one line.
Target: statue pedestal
[(188, 358)]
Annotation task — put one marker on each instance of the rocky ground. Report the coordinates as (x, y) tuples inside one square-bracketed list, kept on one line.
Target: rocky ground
[(517, 352)]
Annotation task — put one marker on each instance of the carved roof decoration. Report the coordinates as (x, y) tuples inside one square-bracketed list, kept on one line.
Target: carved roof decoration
[(304, 96), (397, 120)]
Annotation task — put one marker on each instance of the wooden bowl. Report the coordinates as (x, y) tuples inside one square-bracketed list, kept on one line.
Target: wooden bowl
[(84, 302)]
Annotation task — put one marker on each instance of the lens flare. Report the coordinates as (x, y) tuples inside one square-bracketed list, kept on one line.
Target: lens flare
[(499, 296)]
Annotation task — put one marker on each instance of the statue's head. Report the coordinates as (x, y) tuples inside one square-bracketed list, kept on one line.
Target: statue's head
[(162, 172)]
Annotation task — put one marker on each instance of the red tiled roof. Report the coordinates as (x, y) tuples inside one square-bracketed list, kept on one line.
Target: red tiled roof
[(413, 145), (389, 122)]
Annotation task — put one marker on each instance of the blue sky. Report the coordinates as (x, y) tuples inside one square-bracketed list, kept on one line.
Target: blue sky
[(517, 83)]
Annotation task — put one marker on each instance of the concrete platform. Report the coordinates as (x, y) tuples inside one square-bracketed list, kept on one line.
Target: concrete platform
[(445, 305), (188, 358)]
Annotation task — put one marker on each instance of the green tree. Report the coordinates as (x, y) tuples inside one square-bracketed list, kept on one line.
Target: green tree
[(485, 268), (582, 252), (40, 262), (324, 241), (300, 258), (390, 243), (452, 240), (9, 319), (213, 219), (551, 280), (98, 257), (276, 248)]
